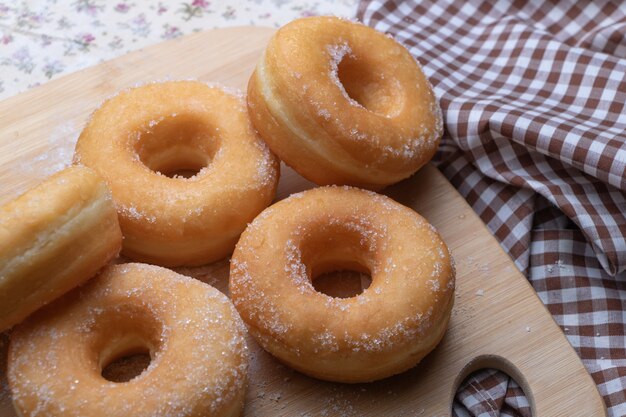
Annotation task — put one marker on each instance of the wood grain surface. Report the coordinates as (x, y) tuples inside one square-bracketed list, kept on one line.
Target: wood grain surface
[(497, 320)]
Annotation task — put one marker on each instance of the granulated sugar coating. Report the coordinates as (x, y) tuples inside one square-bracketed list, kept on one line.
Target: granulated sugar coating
[(343, 104), (384, 330), (195, 338), (151, 133), (337, 54)]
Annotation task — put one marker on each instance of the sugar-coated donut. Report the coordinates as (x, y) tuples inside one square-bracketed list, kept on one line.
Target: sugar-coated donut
[(344, 104), (137, 138), (386, 329), (53, 238), (194, 336)]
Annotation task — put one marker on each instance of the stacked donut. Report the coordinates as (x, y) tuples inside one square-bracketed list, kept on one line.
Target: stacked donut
[(185, 172)]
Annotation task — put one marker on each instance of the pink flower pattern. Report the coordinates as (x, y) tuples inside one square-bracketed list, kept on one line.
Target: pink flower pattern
[(90, 7), (171, 32), (200, 3), (122, 7)]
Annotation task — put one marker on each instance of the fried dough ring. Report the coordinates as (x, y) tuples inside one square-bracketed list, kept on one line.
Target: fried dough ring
[(194, 336), (138, 136), (386, 329), (344, 104)]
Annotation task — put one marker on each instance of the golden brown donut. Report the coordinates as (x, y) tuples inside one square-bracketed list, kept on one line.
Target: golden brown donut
[(386, 329), (344, 104), (53, 238), (192, 332), (142, 135)]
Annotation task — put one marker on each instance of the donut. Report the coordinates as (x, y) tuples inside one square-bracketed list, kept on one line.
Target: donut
[(195, 339), (344, 104), (386, 329), (141, 140), (53, 238)]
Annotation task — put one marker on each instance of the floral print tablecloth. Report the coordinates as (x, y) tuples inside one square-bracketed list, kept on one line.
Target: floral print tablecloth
[(43, 39)]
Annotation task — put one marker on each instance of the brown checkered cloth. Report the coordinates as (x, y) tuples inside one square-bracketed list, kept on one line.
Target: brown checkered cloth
[(533, 95)]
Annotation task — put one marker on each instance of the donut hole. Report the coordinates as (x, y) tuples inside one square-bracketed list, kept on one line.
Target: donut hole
[(364, 83), (179, 146), (339, 260), (128, 340), (179, 162), (341, 279), (127, 364)]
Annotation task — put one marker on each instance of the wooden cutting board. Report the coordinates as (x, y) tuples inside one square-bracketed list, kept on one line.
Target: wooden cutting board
[(497, 320)]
